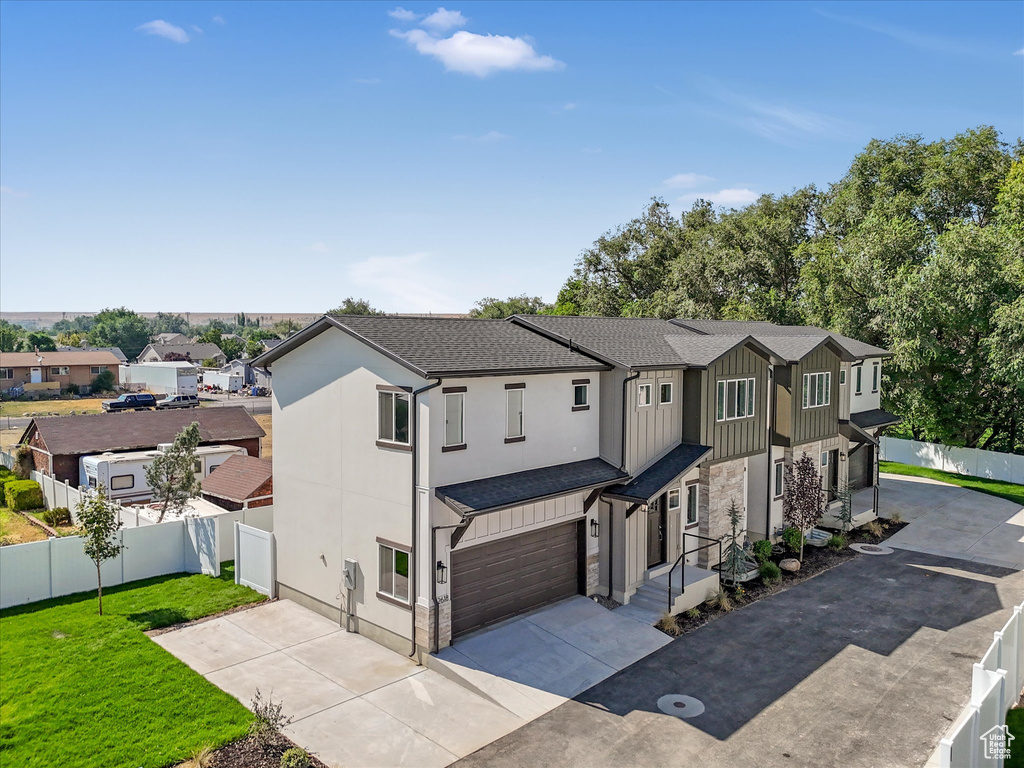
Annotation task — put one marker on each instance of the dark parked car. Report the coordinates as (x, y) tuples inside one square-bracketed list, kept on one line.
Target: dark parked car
[(178, 401), (135, 402)]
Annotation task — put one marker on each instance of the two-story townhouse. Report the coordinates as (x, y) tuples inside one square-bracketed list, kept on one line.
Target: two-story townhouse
[(433, 476)]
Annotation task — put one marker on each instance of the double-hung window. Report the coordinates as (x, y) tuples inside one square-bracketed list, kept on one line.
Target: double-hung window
[(874, 377), (515, 430), (665, 393), (817, 389), (393, 417), (393, 579), (691, 504), (454, 419), (643, 395), (735, 399)]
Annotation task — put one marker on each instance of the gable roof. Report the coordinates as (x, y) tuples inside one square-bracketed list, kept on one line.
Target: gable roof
[(770, 333), (238, 478), (135, 430), (436, 347), (115, 351), (171, 338), (636, 342), (72, 357), (196, 352)]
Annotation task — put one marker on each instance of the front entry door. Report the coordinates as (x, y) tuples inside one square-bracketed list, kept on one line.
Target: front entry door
[(656, 534), (36, 376)]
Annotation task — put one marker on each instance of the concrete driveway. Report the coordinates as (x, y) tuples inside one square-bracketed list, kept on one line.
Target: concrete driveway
[(950, 521)]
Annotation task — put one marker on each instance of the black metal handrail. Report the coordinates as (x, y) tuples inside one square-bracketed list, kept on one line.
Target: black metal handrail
[(682, 579)]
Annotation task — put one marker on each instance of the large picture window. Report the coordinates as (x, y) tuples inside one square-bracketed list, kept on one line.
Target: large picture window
[(817, 389), (735, 399), (454, 419), (514, 422), (394, 573), (393, 417)]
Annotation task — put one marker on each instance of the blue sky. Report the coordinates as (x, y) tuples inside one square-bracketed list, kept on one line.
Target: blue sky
[(227, 156)]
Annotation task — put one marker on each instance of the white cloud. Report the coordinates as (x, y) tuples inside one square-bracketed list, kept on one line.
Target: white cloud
[(161, 28), (905, 35), (485, 138), (686, 180), (479, 55), (197, 30), (403, 15), (218, 20), (367, 80), (731, 198), (320, 247), (407, 283), (569, 106), (442, 20), (12, 192), (1019, 53)]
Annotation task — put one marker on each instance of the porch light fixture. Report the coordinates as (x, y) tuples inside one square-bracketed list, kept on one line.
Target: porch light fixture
[(595, 528), (442, 572), (842, 456)]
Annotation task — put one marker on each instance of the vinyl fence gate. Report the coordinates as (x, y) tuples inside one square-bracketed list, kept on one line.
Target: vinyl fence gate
[(255, 565)]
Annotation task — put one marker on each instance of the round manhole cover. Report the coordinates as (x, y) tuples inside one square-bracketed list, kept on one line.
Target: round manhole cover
[(872, 549), (678, 705)]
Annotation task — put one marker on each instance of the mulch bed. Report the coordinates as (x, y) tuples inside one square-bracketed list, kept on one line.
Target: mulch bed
[(816, 560), (245, 753)]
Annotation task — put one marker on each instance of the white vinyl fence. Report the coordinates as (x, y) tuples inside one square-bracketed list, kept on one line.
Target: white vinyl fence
[(962, 461), (255, 566), (995, 686), (58, 566)]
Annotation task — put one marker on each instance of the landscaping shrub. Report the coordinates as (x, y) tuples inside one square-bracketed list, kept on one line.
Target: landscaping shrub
[(895, 518), (693, 613), (763, 551), (875, 529), (721, 600), (295, 758), (770, 573), (667, 624), (792, 538), (57, 516), (836, 542), (23, 494), (270, 719), (104, 382)]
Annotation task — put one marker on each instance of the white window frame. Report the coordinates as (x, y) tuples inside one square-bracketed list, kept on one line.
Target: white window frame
[(743, 399), (876, 370), (130, 485), (661, 392), (859, 379), (811, 388), (96, 370), (381, 556), (395, 398), (460, 398), (521, 392), (643, 395), (586, 395), (696, 504), (779, 479), (673, 507), (7, 374), (59, 370), (824, 458)]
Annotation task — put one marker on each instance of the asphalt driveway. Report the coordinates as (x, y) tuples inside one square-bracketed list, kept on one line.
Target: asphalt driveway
[(864, 665)]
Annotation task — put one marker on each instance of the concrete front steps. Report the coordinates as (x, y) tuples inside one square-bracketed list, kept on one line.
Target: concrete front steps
[(650, 601)]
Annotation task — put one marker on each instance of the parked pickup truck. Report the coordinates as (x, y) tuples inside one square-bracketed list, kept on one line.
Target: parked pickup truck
[(136, 402), (178, 401)]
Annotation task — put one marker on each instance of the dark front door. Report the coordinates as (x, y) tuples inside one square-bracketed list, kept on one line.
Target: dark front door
[(656, 532)]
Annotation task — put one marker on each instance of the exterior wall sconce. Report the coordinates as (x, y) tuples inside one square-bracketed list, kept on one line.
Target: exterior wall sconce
[(595, 528), (442, 572), (842, 456)]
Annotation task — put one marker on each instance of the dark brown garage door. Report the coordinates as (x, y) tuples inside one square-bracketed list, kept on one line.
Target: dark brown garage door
[(861, 466), (496, 581)]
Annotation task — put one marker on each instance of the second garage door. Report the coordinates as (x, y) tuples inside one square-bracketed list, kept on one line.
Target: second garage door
[(496, 581), (861, 465)]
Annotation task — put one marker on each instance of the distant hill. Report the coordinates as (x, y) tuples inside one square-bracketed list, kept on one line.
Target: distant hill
[(44, 320)]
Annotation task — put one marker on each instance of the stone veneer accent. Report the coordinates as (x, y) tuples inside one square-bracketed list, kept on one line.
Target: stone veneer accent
[(593, 572), (425, 626), (720, 484)]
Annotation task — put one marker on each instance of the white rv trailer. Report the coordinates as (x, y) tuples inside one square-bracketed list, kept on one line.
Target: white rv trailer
[(228, 381), (124, 474)]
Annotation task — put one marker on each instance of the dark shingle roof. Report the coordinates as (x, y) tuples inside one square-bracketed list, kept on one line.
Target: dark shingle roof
[(653, 480), (766, 333), (874, 418), (135, 430), (238, 478), (448, 347), (504, 491)]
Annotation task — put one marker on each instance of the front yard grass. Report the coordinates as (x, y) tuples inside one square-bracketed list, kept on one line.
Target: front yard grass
[(78, 689), (1000, 488), (16, 408)]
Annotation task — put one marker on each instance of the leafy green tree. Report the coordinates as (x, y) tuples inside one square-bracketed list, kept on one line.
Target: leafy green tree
[(34, 340), (171, 475), (352, 306), (802, 496), (164, 322), (80, 324), (499, 309), (70, 338), (285, 328), (98, 519), (120, 328), (10, 336), (232, 347), (103, 382), (212, 335)]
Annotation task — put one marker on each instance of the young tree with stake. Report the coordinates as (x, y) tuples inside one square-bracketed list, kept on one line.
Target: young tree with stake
[(802, 496), (172, 476), (97, 517)]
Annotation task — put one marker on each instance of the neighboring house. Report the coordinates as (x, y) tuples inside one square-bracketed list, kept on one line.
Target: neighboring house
[(241, 482), (269, 344), (251, 376), (471, 470), (55, 370), (115, 351), (58, 443), (190, 352), (171, 338)]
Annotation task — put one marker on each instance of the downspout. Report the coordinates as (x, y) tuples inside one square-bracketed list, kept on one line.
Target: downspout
[(414, 442), (772, 400), (611, 515)]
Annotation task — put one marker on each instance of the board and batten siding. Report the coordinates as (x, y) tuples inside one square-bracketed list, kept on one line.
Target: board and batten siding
[(654, 429), (815, 423), (736, 437)]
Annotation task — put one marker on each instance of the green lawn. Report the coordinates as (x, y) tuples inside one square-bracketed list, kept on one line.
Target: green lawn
[(78, 689), (1000, 488)]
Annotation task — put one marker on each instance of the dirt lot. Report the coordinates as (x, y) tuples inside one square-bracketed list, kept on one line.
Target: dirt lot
[(263, 419), (51, 407)]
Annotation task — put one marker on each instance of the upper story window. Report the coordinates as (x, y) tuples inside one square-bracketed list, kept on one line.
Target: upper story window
[(580, 395), (6, 373), (842, 377), (514, 421), (643, 395), (874, 376), (817, 389), (393, 417), (454, 418), (858, 380), (735, 399), (665, 393)]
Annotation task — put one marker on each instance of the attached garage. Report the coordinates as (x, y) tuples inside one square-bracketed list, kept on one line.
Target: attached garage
[(861, 464), (498, 580)]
